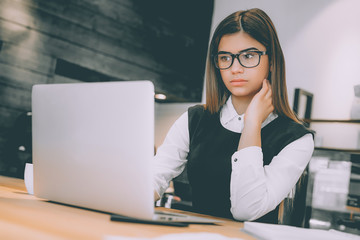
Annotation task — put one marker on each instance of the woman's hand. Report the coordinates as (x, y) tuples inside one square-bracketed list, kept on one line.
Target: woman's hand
[(258, 110), (260, 106)]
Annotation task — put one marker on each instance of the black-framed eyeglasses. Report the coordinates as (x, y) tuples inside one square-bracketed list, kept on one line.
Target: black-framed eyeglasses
[(247, 59)]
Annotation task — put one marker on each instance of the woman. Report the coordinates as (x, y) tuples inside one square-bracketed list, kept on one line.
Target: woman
[(244, 149)]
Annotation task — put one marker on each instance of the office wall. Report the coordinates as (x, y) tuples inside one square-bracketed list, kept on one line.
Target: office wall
[(57, 41), (165, 116), (321, 44)]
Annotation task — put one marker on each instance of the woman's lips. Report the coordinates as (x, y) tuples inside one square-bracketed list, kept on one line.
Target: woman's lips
[(238, 82)]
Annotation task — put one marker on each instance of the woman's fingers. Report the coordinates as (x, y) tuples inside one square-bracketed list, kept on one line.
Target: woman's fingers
[(263, 91), (269, 91), (265, 87), (261, 105)]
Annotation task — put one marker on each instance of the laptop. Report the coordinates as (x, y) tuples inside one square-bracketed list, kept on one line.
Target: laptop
[(93, 145)]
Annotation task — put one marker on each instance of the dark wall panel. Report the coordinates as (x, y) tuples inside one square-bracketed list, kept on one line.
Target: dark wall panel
[(164, 41)]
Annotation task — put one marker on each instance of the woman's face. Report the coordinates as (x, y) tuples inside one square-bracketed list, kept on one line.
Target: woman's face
[(240, 81)]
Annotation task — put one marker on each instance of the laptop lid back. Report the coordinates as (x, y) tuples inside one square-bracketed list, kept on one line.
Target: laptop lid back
[(93, 144)]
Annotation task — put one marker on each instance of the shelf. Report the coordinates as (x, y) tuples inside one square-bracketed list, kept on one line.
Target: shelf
[(356, 121), (356, 151), (348, 209), (332, 120)]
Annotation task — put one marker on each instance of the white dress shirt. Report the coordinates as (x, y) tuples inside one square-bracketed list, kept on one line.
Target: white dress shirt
[(254, 189)]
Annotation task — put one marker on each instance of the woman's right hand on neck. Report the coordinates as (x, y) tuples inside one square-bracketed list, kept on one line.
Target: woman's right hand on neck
[(258, 110), (260, 106)]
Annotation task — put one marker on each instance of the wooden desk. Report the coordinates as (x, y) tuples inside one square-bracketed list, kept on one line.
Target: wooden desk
[(23, 216)]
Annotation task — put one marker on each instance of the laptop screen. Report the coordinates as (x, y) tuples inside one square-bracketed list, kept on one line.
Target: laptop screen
[(93, 144)]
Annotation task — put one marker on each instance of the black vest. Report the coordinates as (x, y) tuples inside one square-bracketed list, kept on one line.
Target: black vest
[(209, 158)]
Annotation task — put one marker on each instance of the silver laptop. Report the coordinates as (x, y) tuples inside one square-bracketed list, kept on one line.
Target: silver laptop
[(93, 145)]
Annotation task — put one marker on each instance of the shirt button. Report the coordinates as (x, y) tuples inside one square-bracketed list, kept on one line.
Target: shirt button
[(235, 160), (239, 118)]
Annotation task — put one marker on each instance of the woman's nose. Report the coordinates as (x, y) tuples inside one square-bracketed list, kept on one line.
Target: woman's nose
[(236, 66)]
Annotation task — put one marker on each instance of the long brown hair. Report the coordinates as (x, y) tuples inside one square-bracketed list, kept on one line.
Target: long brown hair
[(259, 26)]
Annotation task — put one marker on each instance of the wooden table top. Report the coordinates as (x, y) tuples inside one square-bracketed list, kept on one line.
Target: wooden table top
[(24, 216)]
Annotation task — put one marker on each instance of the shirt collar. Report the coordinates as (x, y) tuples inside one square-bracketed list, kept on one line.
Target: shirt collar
[(228, 113)]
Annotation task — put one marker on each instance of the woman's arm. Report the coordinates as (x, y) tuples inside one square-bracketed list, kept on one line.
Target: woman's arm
[(171, 156), (256, 189), (258, 110)]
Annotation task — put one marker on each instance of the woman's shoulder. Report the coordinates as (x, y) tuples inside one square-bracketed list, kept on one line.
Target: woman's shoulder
[(197, 108), (290, 125), (198, 114)]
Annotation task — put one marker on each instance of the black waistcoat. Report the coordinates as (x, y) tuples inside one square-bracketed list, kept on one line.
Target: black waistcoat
[(209, 158)]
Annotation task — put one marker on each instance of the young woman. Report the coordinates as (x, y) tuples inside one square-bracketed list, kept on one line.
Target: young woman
[(244, 149)]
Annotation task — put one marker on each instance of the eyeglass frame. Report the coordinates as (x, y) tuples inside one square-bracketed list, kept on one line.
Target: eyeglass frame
[(233, 56)]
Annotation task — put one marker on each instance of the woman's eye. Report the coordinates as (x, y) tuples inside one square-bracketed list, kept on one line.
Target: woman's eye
[(224, 58), (248, 55)]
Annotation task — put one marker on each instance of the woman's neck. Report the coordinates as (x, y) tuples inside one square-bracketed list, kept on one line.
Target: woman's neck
[(240, 103)]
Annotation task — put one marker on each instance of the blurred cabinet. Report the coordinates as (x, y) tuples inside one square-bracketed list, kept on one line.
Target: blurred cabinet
[(333, 192), (333, 189)]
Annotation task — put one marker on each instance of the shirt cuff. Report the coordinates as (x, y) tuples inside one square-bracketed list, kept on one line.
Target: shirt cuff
[(160, 188), (247, 156)]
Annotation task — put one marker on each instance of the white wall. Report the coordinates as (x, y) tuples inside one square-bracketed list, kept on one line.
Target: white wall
[(165, 115), (321, 44)]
